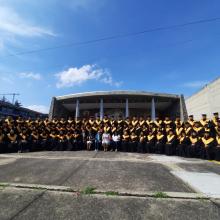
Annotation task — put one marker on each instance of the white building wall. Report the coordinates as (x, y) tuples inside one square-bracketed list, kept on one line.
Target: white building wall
[(206, 101)]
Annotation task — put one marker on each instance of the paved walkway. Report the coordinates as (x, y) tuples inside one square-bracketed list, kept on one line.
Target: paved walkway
[(49, 185)]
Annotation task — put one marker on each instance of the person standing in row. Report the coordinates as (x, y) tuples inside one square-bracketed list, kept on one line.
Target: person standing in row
[(106, 139), (98, 140), (116, 138)]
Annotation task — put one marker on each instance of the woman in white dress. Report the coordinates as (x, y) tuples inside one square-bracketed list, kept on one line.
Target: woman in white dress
[(106, 139)]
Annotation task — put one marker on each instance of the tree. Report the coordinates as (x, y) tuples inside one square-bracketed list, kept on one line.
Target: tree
[(18, 104), (3, 99)]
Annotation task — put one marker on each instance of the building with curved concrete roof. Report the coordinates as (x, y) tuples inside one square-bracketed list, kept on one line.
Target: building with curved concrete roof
[(205, 101), (118, 104)]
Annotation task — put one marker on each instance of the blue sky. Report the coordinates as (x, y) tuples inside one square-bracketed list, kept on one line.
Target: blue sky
[(181, 60)]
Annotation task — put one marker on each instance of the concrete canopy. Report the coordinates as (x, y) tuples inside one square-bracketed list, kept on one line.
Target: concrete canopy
[(139, 103)]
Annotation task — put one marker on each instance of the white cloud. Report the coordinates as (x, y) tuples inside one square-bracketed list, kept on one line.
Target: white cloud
[(13, 26), (8, 80), (35, 76), (72, 4), (77, 76), (39, 108), (12, 23), (195, 84), (107, 79)]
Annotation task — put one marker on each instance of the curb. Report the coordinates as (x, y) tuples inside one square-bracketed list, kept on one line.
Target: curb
[(167, 195)]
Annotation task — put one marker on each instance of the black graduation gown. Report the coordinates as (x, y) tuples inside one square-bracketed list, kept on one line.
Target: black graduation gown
[(53, 140), (195, 147), (209, 148), (44, 142), (12, 143), (69, 143), (133, 143), (23, 143), (62, 142), (150, 144), (141, 144), (217, 149), (199, 131), (183, 146), (77, 142), (125, 143), (171, 144), (2, 143), (160, 144), (34, 142)]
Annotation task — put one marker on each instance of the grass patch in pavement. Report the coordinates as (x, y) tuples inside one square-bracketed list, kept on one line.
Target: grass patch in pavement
[(201, 198), (160, 195), (3, 185), (111, 193), (88, 190)]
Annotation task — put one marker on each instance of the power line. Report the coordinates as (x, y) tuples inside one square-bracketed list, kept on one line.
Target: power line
[(117, 36), (97, 58), (11, 94), (173, 44)]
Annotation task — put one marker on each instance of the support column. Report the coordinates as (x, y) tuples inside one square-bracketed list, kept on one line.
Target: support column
[(153, 110), (127, 109), (183, 110), (77, 109), (101, 109)]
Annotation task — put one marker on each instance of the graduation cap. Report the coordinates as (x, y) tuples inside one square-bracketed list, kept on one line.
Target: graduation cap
[(204, 115), (215, 113), (190, 116)]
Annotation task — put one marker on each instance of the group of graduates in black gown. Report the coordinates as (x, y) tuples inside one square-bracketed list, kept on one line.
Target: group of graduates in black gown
[(196, 139)]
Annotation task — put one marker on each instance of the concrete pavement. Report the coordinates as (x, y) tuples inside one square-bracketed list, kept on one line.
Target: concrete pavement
[(48, 185)]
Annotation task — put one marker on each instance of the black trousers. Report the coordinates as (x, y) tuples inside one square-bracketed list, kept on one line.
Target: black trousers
[(116, 145), (2, 148), (182, 150), (210, 153), (170, 149), (217, 153), (44, 145), (61, 145), (35, 145), (83, 145), (150, 147), (78, 145), (124, 146), (132, 146), (12, 147), (23, 146), (53, 144), (141, 147), (195, 151), (159, 148), (69, 145)]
